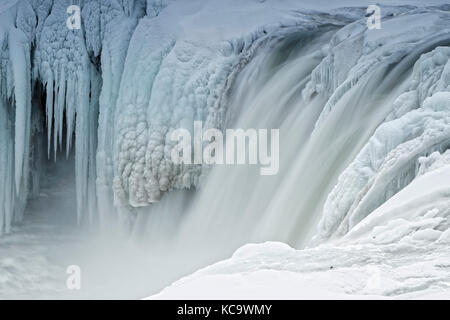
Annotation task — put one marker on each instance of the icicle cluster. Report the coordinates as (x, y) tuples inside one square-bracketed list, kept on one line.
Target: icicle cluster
[(15, 114), (38, 50)]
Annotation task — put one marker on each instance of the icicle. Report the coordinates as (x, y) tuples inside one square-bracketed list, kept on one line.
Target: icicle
[(20, 65), (81, 142), (4, 143), (49, 110), (70, 113), (55, 112), (7, 192), (59, 109)]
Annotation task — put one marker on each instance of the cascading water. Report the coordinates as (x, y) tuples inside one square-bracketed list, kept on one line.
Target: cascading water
[(230, 206), (235, 205)]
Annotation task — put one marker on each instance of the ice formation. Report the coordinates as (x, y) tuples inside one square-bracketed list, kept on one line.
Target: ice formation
[(77, 70), (129, 76), (365, 115), (182, 77), (391, 158)]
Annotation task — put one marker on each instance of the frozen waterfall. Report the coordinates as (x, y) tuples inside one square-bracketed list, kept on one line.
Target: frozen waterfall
[(364, 117)]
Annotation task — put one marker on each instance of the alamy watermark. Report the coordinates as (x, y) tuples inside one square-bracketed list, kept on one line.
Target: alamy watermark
[(373, 14), (74, 279), (73, 22), (236, 147)]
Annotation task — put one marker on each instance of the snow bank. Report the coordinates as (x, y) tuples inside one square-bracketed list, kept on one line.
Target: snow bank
[(269, 271)]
